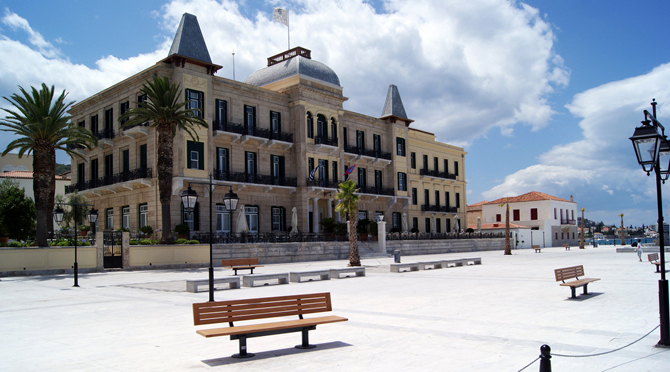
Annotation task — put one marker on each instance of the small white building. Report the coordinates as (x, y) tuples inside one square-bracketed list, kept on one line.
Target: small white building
[(25, 180), (551, 219), (519, 234)]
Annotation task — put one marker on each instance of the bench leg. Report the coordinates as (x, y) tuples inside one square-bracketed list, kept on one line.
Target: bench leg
[(243, 349), (585, 286), (572, 289), (252, 270), (305, 340)]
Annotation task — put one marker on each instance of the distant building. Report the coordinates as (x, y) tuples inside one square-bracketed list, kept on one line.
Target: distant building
[(551, 219), (598, 236), (519, 234), (12, 162), (25, 180), (475, 212)]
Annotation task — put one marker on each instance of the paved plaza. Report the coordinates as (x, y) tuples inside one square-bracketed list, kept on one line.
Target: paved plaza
[(489, 317)]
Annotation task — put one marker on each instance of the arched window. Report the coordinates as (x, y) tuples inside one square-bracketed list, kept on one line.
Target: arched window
[(310, 125), (321, 126), (333, 129)]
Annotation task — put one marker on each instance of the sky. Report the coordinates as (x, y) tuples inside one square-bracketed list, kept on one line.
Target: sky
[(543, 95)]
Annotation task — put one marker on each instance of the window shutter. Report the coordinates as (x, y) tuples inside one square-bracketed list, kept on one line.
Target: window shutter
[(200, 148), (189, 148), (143, 156), (196, 216), (281, 167)]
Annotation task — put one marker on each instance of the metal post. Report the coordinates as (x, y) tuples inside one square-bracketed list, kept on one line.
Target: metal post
[(211, 267), (545, 358), (662, 283), (76, 264)]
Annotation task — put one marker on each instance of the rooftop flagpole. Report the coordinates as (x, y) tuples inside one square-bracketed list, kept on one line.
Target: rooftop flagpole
[(281, 15)]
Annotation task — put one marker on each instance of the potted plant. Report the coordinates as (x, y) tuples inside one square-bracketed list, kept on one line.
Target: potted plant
[(374, 230), (182, 231), (362, 229), (147, 230), (84, 229), (328, 225), (414, 230), (341, 231)]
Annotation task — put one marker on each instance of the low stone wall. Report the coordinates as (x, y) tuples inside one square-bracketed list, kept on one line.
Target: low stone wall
[(46, 260), (417, 247), (285, 252)]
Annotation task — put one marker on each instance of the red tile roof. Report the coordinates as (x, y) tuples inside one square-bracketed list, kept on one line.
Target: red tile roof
[(498, 225), (476, 206), (528, 197), (27, 175)]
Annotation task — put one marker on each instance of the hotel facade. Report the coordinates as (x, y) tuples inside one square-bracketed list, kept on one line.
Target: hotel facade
[(266, 137)]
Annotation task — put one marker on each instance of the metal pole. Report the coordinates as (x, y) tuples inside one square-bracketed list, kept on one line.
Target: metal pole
[(76, 265), (545, 358), (211, 268)]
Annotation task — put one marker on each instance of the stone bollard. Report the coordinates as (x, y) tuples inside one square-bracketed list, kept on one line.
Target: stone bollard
[(545, 358)]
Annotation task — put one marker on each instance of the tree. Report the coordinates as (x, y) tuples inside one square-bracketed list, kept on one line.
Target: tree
[(508, 247), (17, 212), (43, 127), (167, 111), (349, 204)]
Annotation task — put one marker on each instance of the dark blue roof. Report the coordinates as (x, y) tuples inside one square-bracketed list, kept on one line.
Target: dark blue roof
[(393, 105), (188, 41)]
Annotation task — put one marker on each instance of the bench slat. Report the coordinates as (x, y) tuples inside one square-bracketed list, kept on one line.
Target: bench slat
[(569, 272), (253, 328)]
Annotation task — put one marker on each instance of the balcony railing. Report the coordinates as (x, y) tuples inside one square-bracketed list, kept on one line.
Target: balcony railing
[(325, 140), (136, 125), (443, 236), (434, 173), (438, 208), (105, 134), (251, 131), (323, 183), (565, 221), (261, 179), (110, 180), (367, 152), (376, 190)]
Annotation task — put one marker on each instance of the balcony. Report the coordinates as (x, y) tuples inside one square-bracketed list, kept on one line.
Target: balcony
[(373, 190), (105, 137), (260, 179), (438, 208), (330, 144), (436, 174), (244, 133), (122, 179), (371, 155), (136, 130), (323, 183), (565, 221)]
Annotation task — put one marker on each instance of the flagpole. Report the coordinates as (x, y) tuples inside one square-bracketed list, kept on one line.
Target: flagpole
[(288, 27)]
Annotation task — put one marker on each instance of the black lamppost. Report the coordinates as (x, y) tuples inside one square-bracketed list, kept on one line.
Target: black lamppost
[(188, 199), (653, 153), (92, 219)]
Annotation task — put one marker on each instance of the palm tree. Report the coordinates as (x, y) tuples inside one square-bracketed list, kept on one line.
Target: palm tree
[(43, 127), (508, 247), (167, 111), (349, 204)]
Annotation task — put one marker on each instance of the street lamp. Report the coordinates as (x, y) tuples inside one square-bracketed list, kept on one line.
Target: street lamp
[(648, 144), (189, 198), (92, 218), (581, 238)]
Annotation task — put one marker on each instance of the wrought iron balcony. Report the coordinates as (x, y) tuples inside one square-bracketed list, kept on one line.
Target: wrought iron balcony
[(105, 134), (331, 184), (367, 152), (376, 190), (110, 180), (565, 221), (438, 208), (251, 131), (434, 173), (261, 179), (225, 126), (325, 140)]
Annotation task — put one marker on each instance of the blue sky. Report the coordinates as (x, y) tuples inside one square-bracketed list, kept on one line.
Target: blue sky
[(542, 94)]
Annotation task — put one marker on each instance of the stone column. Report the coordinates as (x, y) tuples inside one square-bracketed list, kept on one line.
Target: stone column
[(315, 214), (100, 259), (125, 250), (329, 205), (381, 236)]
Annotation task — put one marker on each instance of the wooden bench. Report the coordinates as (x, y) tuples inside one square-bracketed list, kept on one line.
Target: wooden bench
[(249, 280), (566, 246), (537, 249), (573, 272), (295, 277), (193, 284), (241, 264), (409, 266), (263, 308), (358, 271), (454, 263), (653, 259), (430, 265)]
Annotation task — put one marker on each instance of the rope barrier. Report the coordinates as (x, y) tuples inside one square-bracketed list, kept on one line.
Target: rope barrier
[(606, 352), (530, 364)]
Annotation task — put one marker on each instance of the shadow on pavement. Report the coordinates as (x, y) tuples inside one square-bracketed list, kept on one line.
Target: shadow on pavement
[(274, 353)]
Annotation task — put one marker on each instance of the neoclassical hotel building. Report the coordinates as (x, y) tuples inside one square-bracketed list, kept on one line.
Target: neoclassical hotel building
[(266, 135)]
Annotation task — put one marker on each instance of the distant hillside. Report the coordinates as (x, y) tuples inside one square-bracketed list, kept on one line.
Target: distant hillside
[(62, 168)]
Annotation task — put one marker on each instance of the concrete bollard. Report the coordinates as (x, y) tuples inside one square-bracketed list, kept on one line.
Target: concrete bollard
[(396, 256), (545, 358)]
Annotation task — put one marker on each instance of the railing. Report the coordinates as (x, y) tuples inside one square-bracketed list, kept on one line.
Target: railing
[(434, 173), (68, 234), (136, 125), (242, 177), (110, 180), (438, 208), (251, 131), (367, 152), (565, 221), (105, 133), (325, 140), (376, 190), (324, 183), (442, 236)]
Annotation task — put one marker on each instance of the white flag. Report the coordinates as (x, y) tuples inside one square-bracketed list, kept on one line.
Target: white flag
[(280, 15)]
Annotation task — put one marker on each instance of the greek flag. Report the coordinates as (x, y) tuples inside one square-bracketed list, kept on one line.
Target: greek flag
[(280, 15), (313, 172)]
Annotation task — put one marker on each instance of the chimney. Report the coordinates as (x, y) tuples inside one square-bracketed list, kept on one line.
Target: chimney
[(571, 198)]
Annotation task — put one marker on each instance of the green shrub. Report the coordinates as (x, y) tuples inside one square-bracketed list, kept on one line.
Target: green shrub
[(362, 226), (84, 244), (181, 241), (193, 241), (15, 244), (182, 229), (146, 242), (414, 230), (147, 230), (63, 244), (395, 230), (341, 228), (133, 242)]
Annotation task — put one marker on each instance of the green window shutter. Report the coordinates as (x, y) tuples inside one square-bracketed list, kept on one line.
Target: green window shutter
[(282, 163), (126, 160), (200, 148), (189, 147), (143, 156), (196, 217)]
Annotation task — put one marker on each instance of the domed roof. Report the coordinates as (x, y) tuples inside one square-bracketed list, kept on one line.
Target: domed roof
[(294, 66)]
